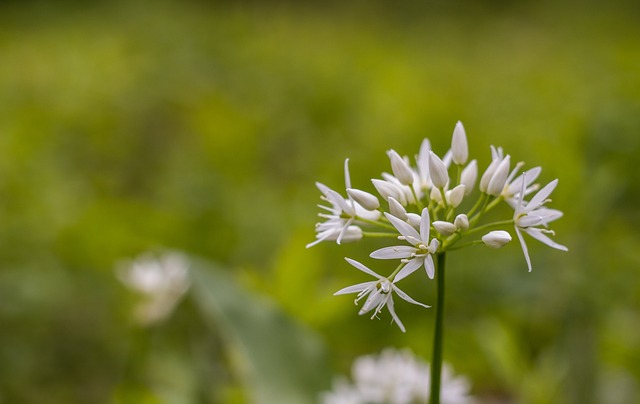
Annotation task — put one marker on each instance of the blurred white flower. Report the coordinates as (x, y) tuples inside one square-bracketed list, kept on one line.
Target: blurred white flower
[(396, 377), (160, 280)]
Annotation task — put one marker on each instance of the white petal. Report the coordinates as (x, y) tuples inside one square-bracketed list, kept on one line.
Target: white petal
[(539, 235), (461, 222), (323, 188), (488, 174), (499, 178), (363, 268), (355, 288), (524, 247), (347, 177), (408, 269), (390, 307), (425, 224), (403, 227), (541, 196), (548, 215), (387, 189), (444, 228), (428, 265), (344, 230), (394, 252), (413, 219), (496, 238), (529, 220), (455, 196), (406, 297)]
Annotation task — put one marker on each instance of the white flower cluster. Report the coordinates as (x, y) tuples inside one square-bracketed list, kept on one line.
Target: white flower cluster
[(395, 377), (161, 282), (425, 202)]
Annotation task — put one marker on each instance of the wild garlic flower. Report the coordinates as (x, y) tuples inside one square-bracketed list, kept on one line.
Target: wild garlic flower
[(528, 215), (427, 204), (379, 294), (160, 280), (420, 254), (396, 377)]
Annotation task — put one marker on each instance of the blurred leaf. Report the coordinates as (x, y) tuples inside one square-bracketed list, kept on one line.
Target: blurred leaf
[(280, 361)]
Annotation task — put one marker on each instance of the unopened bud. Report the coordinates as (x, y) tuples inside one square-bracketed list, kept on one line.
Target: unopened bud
[(496, 238)]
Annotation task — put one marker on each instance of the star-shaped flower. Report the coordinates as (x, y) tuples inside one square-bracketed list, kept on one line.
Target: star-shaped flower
[(379, 294), (419, 254), (528, 215)]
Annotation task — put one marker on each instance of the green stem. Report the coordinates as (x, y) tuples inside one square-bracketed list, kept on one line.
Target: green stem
[(436, 359), (375, 223), (489, 225), (379, 234)]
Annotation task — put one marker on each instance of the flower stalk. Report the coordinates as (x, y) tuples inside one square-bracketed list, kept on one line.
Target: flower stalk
[(436, 361)]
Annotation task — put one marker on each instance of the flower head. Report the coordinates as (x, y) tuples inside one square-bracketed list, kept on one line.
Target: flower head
[(379, 293)]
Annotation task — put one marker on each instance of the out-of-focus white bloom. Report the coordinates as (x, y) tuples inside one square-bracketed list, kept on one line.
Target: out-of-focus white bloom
[(396, 377), (496, 238), (423, 182), (388, 190), (343, 212), (496, 159), (161, 280), (437, 171), (511, 192), (379, 294), (416, 256), (528, 215), (400, 168), (469, 176), (459, 146)]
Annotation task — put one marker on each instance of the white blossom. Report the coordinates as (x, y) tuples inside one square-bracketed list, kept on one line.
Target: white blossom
[(437, 171), (419, 254), (469, 176), (379, 294), (400, 168), (529, 215), (459, 146)]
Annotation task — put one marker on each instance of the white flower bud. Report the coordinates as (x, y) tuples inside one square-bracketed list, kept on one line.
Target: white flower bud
[(414, 220), (437, 171), (454, 197), (396, 209), (368, 201), (444, 228), (469, 176), (436, 195), (387, 189), (459, 146), (461, 222), (400, 168), (499, 178), (486, 177), (496, 238)]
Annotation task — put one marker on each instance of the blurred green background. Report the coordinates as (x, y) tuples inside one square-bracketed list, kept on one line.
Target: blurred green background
[(134, 126)]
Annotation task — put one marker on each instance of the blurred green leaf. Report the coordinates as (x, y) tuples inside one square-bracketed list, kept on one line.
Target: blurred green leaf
[(279, 360)]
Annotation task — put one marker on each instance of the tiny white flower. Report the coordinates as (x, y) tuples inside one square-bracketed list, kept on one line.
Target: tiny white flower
[(469, 176), (437, 171), (496, 159), (496, 238), (422, 163), (512, 190), (528, 215), (400, 168), (419, 254), (388, 190), (378, 292), (459, 146)]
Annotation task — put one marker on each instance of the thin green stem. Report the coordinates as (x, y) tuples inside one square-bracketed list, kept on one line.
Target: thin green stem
[(379, 234), (474, 242), (489, 225), (418, 201), (478, 203), (436, 359), (376, 223)]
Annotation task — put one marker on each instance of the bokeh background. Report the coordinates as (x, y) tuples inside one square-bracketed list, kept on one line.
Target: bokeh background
[(201, 127)]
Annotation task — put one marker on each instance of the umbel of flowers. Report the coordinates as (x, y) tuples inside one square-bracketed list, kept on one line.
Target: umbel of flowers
[(420, 206)]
